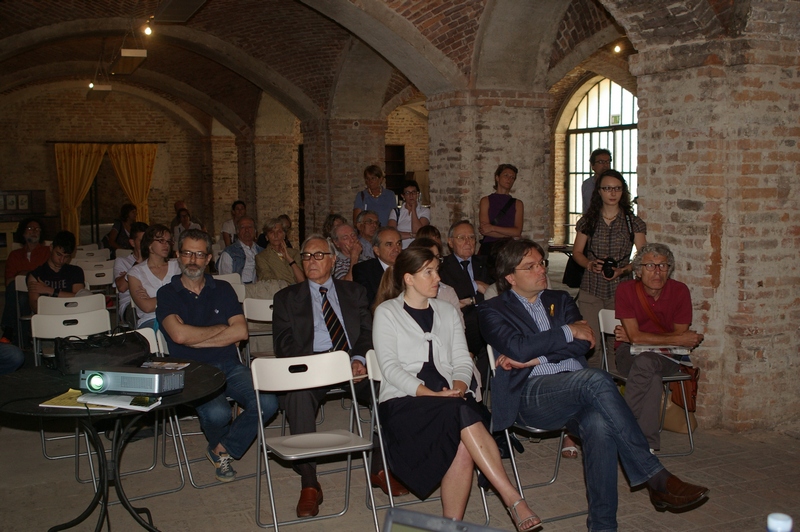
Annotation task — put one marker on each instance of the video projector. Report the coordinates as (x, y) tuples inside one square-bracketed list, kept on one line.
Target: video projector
[(132, 381)]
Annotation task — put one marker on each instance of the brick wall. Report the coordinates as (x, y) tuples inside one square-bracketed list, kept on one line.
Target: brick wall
[(224, 168), (43, 113), (470, 134), (411, 130), (718, 166), (336, 153), (276, 179)]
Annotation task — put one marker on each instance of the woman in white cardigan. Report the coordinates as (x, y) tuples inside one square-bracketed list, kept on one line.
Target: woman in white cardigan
[(433, 427)]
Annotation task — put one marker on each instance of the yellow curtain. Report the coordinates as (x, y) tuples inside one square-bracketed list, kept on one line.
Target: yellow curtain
[(76, 166), (133, 164)]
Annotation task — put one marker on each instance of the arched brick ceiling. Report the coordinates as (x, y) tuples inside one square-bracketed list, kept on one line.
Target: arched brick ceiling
[(583, 19), (232, 50), (450, 25), (660, 23)]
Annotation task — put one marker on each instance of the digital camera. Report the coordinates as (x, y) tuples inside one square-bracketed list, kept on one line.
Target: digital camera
[(608, 267)]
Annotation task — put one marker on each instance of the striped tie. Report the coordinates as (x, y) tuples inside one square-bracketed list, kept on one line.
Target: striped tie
[(338, 338)]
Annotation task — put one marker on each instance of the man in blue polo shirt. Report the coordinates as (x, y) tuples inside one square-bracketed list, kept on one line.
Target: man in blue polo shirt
[(202, 320)]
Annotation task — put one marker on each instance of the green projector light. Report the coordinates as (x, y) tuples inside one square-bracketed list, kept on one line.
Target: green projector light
[(96, 382)]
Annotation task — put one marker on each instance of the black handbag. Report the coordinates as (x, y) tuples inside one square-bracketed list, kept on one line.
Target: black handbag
[(573, 273), (73, 354)]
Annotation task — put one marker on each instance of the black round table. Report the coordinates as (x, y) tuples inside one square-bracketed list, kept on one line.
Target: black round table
[(21, 393)]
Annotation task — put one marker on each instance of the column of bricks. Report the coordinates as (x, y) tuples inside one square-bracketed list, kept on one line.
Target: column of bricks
[(336, 151), (718, 167), (473, 132), (224, 166)]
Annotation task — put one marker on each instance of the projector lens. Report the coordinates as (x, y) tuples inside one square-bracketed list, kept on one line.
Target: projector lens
[(96, 382)]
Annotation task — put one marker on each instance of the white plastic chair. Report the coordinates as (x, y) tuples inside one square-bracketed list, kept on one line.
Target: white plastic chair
[(607, 324), (299, 373), (87, 247), (87, 265), (93, 255), (123, 253), (61, 306), (258, 313)]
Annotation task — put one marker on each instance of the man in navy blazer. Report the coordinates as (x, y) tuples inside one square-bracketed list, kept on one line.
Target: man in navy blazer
[(300, 329), (542, 381), (469, 276)]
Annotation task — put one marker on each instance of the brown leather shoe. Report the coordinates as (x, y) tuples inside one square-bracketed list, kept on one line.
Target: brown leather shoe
[(379, 481), (679, 494), (310, 499)]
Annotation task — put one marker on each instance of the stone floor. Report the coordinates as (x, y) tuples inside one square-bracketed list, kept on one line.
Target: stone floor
[(750, 475)]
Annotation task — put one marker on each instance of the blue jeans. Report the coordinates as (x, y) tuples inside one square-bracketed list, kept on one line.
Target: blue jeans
[(588, 403), (11, 358), (215, 415)]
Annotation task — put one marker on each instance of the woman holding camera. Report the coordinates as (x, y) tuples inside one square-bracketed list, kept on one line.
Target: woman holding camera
[(605, 238)]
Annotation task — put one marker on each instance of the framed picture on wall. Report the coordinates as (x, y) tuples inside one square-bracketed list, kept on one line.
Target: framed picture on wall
[(22, 202), (11, 202)]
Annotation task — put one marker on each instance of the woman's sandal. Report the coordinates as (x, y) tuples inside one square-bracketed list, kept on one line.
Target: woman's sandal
[(531, 521), (569, 452)]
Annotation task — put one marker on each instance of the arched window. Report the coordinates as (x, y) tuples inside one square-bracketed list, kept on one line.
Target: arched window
[(606, 117)]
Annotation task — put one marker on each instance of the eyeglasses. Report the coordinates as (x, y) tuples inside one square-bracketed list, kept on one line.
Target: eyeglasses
[(611, 189), (465, 238), (199, 255), (33, 228), (603, 162), (319, 255), (651, 266), (410, 193), (164, 241), (541, 264), (371, 222)]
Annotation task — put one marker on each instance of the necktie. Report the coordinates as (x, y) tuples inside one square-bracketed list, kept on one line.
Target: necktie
[(333, 324), (464, 264)]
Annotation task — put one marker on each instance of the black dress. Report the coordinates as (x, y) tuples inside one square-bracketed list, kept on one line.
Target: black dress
[(422, 434)]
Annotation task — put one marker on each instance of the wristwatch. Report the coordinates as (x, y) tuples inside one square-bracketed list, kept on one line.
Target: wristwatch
[(56, 291)]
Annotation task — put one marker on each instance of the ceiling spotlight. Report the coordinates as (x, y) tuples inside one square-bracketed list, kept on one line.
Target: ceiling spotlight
[(617, 49), (147, 29), (91, 85)]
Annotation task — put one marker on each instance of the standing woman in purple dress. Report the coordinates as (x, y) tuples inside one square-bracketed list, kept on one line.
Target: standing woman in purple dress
[(501, 216)]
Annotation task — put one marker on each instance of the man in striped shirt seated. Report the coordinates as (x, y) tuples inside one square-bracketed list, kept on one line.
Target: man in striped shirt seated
[(543, 381)]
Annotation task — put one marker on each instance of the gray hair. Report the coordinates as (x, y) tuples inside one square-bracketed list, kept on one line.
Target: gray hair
[(271, 223), (335, 231), (195, 234), (363, 214), (376, 238), (317, 236), (460, 222), (660, 250), (243, 218)]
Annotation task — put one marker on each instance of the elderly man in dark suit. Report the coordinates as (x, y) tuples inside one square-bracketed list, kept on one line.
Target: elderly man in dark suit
[(320, 315), (469, 276), (542, 380), (387, 245)]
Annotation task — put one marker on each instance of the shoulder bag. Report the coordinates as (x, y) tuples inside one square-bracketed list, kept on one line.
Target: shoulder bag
[(73, 354)]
